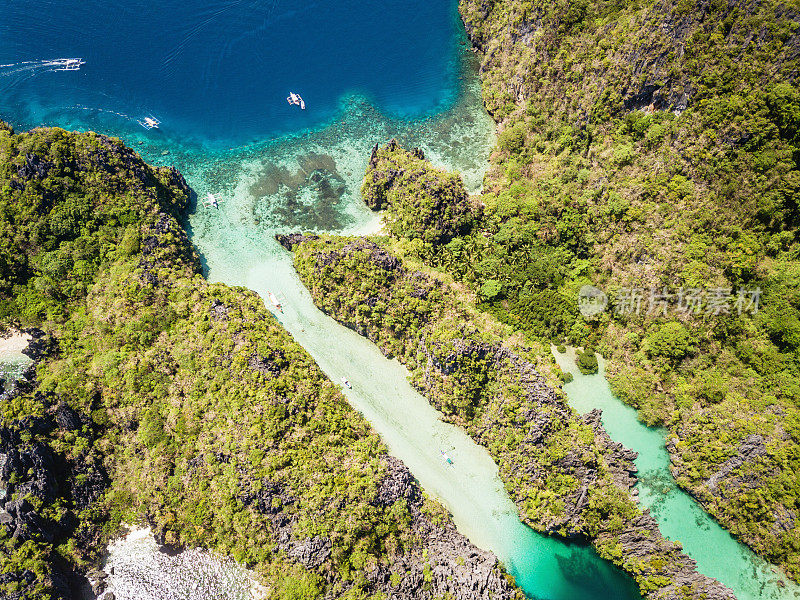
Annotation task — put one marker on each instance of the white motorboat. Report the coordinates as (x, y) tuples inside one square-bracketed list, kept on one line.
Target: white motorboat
[(66, 64), (295, 99)]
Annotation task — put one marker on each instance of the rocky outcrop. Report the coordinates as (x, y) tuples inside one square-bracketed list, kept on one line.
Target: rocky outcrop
[(27, 475), (159, 250), (450, 566), (440, 563), (750, 448), (641, 539), (421, 202), (33, 477), (40, 345), (378, 256), (618, 458), (219, 311), (293, 239)]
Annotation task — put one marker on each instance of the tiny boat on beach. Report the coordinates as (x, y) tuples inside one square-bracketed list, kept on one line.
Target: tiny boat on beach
[(295, 99), (346, 383), (446, 458), (274, 300)]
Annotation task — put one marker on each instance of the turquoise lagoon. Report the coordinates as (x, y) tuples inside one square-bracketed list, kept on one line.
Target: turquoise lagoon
[(679, 516)]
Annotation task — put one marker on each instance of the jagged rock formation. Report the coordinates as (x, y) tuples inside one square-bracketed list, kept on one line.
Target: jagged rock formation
[(32, 477), (420, 202), (455, 568), (291, 240), (560, 468)]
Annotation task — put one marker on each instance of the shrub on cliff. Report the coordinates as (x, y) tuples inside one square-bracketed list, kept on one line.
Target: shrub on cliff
[(421, 202), (587, 361), (670, 341)]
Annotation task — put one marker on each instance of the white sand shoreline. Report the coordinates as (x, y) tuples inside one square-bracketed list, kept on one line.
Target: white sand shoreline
[(137, 570), (13, 342)]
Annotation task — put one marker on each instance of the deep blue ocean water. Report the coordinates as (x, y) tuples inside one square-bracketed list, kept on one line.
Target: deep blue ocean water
[(220, 71)]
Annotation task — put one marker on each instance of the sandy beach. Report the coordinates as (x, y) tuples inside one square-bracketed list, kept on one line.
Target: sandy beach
[(13, 343)]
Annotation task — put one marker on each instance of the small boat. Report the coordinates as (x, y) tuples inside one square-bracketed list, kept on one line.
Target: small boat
[(66, 64), (274, 300), (446, 458), (211, 201), (346, 383), (293, 98), (149, 122)]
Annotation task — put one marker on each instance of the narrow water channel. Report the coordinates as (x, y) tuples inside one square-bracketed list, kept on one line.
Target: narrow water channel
[(544, 567), (680, 517)]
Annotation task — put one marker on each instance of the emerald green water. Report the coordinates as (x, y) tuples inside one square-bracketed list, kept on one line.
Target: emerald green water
[(679, 516)]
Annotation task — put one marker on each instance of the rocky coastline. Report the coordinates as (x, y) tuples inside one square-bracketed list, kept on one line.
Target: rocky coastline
[(450, 566), (443, 563), (601, 469), (33, 475)]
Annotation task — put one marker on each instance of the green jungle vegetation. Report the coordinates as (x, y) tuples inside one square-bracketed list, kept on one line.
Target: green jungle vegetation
[(652, 149), (187, 404), (485, 379)]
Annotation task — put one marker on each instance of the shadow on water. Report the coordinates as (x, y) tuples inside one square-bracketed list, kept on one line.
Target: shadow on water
[(185, 219)]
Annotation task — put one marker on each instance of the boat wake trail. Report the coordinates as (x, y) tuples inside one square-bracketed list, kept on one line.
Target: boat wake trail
[(35, 67), (12, 74), (102, 110)]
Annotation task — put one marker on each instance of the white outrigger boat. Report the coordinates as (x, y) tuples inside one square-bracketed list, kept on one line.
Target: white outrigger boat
[(275, 302), (293, 98), (211, 201), (149, 122), (66, 64), (346, 383)]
